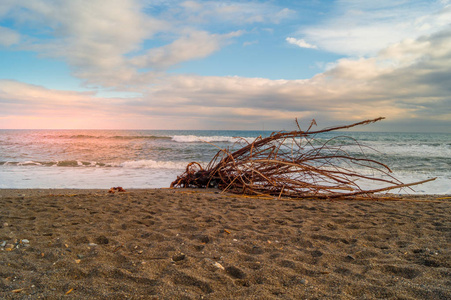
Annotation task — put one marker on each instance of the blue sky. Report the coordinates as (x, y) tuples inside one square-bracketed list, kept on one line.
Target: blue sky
[(138, 64)]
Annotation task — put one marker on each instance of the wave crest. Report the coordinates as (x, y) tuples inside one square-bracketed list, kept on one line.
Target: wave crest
[(209, 139)]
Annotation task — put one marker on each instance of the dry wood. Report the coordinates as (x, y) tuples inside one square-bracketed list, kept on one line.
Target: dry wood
[(294, 164)]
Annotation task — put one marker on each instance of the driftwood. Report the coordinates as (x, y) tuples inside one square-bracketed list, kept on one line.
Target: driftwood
[(293, 164)]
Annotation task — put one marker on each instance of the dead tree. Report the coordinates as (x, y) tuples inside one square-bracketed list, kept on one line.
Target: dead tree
[(294, 164)]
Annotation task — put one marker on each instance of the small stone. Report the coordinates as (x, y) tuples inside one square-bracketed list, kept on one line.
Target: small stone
[(80, 256), (218, 265), (204, 238), (25, 241), (235, 272), (5, 224), (9, 247), (199, 247), (316, 253), (3, 244), (77, 261), (212, 265), (350, 257), (92, 244), (102, 240), (179, 257)]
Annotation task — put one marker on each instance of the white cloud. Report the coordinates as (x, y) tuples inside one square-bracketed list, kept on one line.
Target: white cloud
[(233, 12), (362, 28), (300, 42), (408, 81), (193, 45), (399, 74), (8, 37), (93, 37), (105, 42)]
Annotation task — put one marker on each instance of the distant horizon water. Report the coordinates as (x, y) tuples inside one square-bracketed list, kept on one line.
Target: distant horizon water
[(68, 158), (355, 130)]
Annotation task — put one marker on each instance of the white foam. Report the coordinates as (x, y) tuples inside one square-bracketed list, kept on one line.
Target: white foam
[(152, 164), (209, 139), (27, 163), (416, 150)]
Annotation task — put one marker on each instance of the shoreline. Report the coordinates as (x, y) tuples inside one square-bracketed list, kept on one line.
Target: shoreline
[(35, 191), (201, 244)]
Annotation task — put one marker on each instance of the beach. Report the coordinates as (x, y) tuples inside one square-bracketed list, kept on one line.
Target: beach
[(202, 244)]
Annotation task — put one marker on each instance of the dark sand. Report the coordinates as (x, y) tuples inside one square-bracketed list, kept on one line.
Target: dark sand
[(185, 244)]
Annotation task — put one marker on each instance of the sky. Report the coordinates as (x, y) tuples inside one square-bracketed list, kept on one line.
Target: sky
[(249, 65)]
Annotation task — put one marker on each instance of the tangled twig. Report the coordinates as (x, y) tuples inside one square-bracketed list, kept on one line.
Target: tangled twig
[(293, 164)]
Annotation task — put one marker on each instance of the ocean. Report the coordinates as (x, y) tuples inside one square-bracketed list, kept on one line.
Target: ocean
[(154, 158)]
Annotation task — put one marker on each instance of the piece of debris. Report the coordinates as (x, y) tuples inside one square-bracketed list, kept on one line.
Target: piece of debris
[(294, 164), (116, 189)]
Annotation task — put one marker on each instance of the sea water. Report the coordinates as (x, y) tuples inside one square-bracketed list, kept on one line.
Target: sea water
[(154, 158)]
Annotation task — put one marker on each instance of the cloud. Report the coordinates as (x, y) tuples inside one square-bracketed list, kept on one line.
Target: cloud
[(31, 106), (8, 37), (407, 82), (106, 43), (233, 12), (192, 45), (362, 28), (395, 67), (300, 42), (93, 37), (30, 97)]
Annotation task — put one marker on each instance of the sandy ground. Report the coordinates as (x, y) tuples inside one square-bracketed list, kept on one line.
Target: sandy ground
[(191, 244)]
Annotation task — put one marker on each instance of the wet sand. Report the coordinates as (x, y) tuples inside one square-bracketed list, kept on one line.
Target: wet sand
[(192, 244)]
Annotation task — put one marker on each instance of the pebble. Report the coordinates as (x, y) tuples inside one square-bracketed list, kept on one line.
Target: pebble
[(218, 265), (3, 244), (211, 263), (204, 238), (235, 272), (92, 244), (179, 257), (350, 257), (103, 240), (25, 241), (316, 253)]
